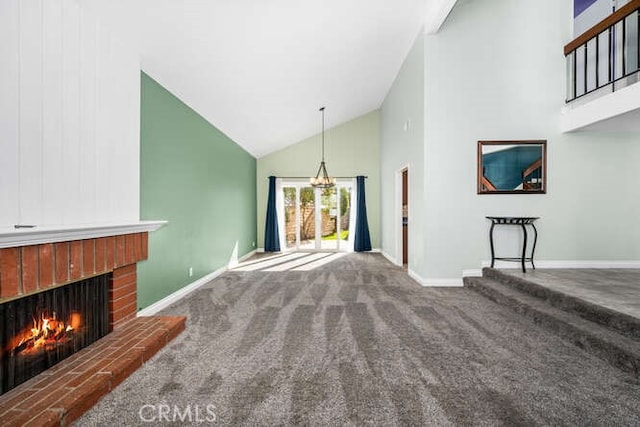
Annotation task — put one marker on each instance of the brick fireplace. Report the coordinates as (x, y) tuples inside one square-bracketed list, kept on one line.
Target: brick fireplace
[(34, 266), (30, 269)]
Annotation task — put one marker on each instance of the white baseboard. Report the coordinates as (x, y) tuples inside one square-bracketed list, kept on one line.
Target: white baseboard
[(241, 259), (179, 294), (566, 264), (183, 292), (391, 259), (435, 283), (374, 250), (247, 256), (472, 273), (453, 282)]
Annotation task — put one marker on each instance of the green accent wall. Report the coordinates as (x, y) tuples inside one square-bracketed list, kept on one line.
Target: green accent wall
[(352, 148), (202, 183)]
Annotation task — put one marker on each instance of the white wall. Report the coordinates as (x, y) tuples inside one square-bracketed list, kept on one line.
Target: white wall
[(402, 145), (69, 117), (595, 13), (496, 71)]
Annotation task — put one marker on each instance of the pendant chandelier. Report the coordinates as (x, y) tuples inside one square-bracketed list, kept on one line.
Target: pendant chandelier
[(322, 178)]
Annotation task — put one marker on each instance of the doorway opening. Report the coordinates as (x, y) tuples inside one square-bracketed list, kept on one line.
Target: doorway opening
[(405, 216), (317, 219)]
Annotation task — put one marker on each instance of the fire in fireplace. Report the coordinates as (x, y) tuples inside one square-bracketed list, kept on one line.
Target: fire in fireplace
[(38, 331), (47, 332)]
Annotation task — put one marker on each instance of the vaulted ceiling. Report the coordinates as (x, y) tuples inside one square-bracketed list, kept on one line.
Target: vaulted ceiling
[(259, 70)]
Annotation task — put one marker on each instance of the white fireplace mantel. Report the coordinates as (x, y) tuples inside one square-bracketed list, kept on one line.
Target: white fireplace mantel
[(13, 237)]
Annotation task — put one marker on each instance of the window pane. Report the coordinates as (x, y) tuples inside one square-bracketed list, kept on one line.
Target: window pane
[(329, 218), (307, 218), (289, 216)]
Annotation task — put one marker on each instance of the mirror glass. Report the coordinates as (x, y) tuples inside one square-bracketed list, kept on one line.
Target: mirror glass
[(512, 167)]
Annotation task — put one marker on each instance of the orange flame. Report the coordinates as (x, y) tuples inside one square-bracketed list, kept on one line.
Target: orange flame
[(46, 332)]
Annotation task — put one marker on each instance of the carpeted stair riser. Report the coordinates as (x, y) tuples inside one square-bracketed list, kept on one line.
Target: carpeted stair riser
[(622, 323), (620, 351)]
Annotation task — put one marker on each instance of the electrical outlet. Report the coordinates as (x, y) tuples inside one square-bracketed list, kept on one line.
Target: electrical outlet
[(190, 271), (253, 244)]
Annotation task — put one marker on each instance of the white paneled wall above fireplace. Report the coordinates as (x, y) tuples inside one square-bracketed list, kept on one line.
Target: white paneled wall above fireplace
[(69, 117)]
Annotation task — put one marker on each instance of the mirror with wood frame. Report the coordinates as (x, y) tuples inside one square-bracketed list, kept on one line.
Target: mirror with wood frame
[(512, 167)]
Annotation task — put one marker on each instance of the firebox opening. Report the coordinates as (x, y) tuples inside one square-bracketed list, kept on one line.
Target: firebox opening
[(38, 331), (47, 332)]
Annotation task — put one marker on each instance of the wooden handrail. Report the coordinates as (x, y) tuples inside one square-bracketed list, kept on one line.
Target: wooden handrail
[(603, 25), (532, 167), (488, 185)]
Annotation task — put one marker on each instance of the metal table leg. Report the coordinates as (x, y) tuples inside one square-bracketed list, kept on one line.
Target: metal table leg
[(535, 240), (524, 248), (522, 222), (493, 255)]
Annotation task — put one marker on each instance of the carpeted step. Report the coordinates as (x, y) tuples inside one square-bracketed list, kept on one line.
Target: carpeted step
[(620, 351), (620, 322)]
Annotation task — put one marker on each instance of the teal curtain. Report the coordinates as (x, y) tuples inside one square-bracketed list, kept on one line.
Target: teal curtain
[(362, 240), (271, 236)]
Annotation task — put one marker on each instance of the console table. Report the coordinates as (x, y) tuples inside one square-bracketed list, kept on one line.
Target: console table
[(521, 221)]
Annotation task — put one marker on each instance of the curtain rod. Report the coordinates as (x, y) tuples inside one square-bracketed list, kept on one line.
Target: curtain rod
[(306, 177)]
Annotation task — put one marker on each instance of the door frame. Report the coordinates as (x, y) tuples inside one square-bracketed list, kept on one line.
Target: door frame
[(397, 213), (341, 245)]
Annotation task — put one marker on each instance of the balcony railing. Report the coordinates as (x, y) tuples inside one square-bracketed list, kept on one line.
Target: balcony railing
[(605, 56)]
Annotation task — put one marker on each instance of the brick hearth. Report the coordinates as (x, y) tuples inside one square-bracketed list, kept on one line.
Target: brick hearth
[(61, 394)]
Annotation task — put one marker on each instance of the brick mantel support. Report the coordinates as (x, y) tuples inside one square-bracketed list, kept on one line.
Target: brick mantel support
[(123, 295), (31, 269)]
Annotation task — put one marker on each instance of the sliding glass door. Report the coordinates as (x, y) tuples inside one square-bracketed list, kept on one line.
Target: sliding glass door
[(315, 218)]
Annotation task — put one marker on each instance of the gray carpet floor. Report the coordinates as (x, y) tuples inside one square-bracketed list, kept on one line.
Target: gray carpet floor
[(358, 342)]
